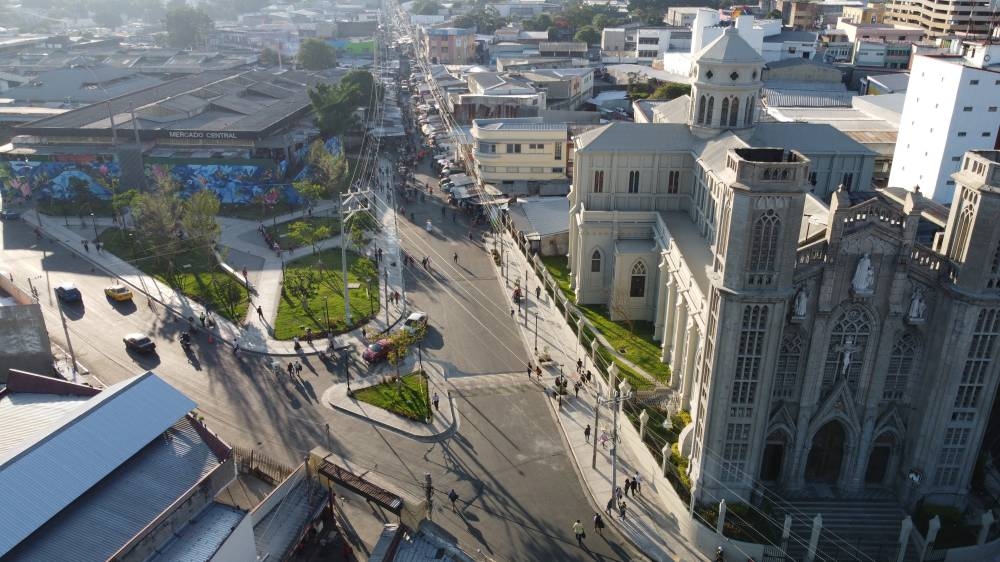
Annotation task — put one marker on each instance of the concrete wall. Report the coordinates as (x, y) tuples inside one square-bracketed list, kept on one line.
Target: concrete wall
[(26, 343)]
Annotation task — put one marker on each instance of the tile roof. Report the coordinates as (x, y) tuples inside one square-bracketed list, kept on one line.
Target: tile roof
[(46, 474)]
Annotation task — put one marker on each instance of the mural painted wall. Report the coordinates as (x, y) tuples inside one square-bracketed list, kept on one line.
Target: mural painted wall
[(234, 181), (61, 178)]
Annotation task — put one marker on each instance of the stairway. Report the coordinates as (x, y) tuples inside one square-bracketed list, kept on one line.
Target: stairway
[(857, 529)]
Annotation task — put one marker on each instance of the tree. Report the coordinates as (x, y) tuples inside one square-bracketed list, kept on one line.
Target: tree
[(426, 8), (587, 34), (485, 19), (775, 15), (305, 234), (621, 311), (602, 21), (107, 18), (156, 215), (401, 341), (198, 218), (541, 22), (360, 83), (268, 56), (123, 200), (670, 90), (316, 54), (365, 270), (335, 112), (186, 26), (310, 191)]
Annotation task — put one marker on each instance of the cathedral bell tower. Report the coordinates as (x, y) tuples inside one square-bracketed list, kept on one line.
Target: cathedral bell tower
[(726, 80)]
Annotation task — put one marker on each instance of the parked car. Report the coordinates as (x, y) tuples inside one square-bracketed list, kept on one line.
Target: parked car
[(139, 342), (415, 323), (67, 292), (377, 351), (10, 215), (118, 293)]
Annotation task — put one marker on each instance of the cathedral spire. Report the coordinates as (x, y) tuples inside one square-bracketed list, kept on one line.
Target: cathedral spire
[(726, 81)]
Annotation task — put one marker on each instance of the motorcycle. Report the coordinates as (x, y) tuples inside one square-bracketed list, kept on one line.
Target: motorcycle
[(185, 340)]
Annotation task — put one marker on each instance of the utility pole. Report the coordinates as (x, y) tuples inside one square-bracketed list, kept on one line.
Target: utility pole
[(536, 332), (351, 203), (429, 493), (69, 343)]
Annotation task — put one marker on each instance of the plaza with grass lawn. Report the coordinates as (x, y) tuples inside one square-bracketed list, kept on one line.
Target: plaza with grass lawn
[(558, 268), (280, 231), (408, 397), (192, 270), (312, 295)]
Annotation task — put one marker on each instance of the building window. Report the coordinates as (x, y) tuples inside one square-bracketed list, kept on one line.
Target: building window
[(985, 134), (724, 113), (735, 451), (595, 262), (674, 181), (973, 82), (962, 232), (633, 181), (558, 152), (734, 112), (961, 133), (557, 170), (786, 370), (748, 118), (637, 284), (994, 280), (487, 147), (950, 458), (848, 181), (599, 181), (701, 110), (513, 149), (764, 248), (536, 146), (992, 109), (537, 170), (977, 361), (812, 178), (905, 355), (749, 357), (956, 158), (846, 351), (967, 108), (708, 113)]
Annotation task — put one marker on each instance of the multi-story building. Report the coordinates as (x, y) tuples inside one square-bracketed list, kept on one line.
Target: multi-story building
[(873, 12), (943, 18), (527, 149), (879, 54), (951, 107), (449, 45), (495, 95), (789, 45), (637, 44), (565, 88), (881, 32), (842, 347)]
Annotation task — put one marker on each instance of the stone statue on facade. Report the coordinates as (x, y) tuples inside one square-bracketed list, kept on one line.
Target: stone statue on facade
[(847, 351), (864, 276), (801, 303), (917, 306)]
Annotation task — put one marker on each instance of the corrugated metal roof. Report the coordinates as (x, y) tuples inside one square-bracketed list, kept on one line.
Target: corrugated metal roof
[(48, 473), (26, 416), (202, 537), (107, 516)]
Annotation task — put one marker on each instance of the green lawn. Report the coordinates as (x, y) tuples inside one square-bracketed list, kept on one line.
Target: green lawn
[(558, 267), (409, 400), (193, 271), (637, 347), (280, 232), (74, 208), (256, 211), (319, 276)]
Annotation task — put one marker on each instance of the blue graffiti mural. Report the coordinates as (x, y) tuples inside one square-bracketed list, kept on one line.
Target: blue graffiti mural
[(22, 179), (232, 183), (332, 146)]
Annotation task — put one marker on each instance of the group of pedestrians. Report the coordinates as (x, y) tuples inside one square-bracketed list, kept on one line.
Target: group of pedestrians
[(294, 369)]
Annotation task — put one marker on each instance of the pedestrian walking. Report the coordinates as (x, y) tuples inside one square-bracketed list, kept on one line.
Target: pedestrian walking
[(628, 485), (579, 532), (621, 511), (298, 368), (86, 246), (538, 372), (512, 313), (99, 247), (636, 483), (291, 370), (529, 370), (260, 313), (576, 388), (244, 273), (538, 293), (586, 433), (579, 365), (589, 376), (610, 506), (201, 317), (436, 400), (619, 493), (453, 496), (598, 524), (455, 257), (604, 439)]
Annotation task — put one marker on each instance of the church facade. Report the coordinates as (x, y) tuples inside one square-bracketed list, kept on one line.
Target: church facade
[(846, 345)]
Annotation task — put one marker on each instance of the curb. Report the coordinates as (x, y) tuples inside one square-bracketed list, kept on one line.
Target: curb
[(433, 438)]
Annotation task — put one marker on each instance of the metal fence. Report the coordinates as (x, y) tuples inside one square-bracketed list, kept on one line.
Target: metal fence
[(262, 466)]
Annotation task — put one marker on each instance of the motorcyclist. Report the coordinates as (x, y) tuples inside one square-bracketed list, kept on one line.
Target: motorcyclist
[(185, 339)]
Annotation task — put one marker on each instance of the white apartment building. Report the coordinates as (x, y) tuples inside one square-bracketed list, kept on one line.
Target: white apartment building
[(525, 149), (640, 45), (706, 28), (951, 108)]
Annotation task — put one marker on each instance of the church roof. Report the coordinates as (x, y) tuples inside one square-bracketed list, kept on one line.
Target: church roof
[(729, 48), (622, 136)]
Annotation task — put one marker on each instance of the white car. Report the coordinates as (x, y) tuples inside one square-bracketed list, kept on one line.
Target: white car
[(415, 322)]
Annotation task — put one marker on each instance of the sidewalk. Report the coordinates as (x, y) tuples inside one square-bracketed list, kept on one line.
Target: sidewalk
[(657, 521), (266, 278)]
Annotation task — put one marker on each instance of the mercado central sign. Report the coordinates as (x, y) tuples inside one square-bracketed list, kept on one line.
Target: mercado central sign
[(211, 135)]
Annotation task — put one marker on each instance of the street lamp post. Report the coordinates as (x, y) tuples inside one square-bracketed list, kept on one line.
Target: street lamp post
[(386, 276), (536, 332), (93, 221)]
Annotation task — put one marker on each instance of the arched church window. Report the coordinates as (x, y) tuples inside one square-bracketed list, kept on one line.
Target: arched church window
[(748, 118), (845, 354), (904, 357), (724, 114), (734, 112), (701, 110), (755, 75), (595, 262), (711, 106), (786, 371), (637, 284), (962, 232), (764, 244), (767, 173)]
